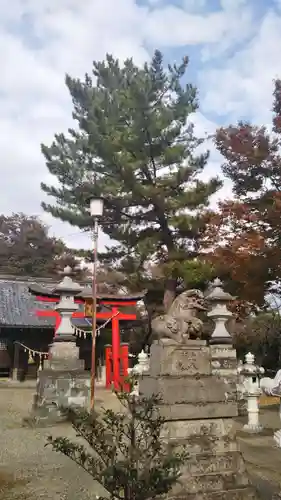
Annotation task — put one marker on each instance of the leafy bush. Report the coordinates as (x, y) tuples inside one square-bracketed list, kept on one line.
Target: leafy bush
[(124, 451)]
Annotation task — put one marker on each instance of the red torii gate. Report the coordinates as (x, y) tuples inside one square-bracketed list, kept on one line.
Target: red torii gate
[(112, 302)]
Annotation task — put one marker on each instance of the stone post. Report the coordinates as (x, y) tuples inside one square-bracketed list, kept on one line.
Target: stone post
[(63, 381), (252, 373)]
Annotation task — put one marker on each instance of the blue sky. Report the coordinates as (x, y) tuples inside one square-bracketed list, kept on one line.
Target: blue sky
[(234, 48)]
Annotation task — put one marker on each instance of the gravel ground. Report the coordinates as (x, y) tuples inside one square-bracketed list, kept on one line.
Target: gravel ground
[(31, 471), (262, 457), (37, 471)]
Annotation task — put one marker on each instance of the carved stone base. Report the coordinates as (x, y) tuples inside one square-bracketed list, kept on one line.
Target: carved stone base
[(253, 428), (64, 356), (215, 468), (172, 358), (191, 397), (198, 408), (224, 361), (58, 389), (60, 350), (61, 384)]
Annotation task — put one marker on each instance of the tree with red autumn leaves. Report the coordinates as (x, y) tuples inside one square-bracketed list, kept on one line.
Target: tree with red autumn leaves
[(246, 242)]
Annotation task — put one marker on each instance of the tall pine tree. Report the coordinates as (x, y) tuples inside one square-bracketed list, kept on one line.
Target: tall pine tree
[(134, 148)]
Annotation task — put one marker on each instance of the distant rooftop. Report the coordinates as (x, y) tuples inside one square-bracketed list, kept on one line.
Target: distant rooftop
[(18, 306), (34, 279)]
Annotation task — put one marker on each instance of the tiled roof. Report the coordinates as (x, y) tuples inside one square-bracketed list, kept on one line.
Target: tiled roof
[(48, 291), (18, 306)]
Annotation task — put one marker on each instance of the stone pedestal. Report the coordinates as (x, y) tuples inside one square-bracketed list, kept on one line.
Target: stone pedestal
[(15, 375), (253, 425), (224, 361), (224, 364), (198, 408), (62, 383)]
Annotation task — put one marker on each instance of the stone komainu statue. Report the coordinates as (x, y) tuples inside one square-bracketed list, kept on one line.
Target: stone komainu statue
[(180, 322)]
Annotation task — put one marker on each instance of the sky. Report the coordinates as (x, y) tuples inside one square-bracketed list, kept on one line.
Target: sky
[(234, 48)]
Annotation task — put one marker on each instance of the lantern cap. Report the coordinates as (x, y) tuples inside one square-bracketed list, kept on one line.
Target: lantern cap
[(218, 294), (67, 285)]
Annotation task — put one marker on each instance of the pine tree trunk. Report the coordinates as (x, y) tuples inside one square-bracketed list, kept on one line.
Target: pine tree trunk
[(169, 293)]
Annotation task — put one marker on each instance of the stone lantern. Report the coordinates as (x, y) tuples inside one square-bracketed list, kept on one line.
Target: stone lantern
[(63, 349), (224, 360), (143, 363), (219, 313), (252, 374), (139, 369), (62, 382)]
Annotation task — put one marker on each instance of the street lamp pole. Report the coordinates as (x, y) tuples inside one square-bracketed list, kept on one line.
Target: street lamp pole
[(96, 210)]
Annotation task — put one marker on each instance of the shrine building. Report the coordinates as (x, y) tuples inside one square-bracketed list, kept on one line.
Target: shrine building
[(28, 322)]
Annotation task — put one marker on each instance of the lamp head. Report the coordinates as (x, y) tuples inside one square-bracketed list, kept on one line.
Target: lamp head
[(96, 207)]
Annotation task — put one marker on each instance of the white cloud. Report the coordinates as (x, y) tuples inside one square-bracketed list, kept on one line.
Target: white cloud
[(34, 100), (233, 4), (242, 86), (202, 128), (194, 5), (41, 40), (191, 28)]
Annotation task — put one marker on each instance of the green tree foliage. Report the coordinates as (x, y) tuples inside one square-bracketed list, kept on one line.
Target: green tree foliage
[(26, 249), (260, 334), (125, 451), (134, 145)]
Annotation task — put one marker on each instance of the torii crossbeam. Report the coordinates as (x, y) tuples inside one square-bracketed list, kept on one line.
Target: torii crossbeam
[(114, 305)]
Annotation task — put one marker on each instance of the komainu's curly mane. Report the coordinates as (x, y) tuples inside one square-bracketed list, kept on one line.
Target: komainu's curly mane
[(180, 322)]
